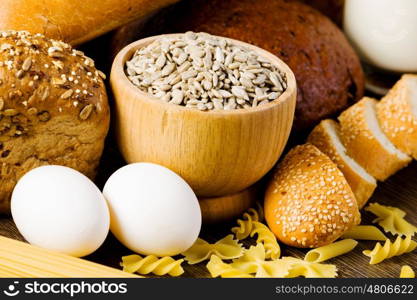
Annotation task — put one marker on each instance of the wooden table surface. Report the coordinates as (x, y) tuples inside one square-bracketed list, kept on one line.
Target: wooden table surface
[(400, 190)]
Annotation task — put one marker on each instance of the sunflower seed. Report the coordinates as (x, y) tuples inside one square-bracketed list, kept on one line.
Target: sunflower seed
[(10, 112), (177, 97), (168, 69), (27, 64), (274, 79), (188, 74), (86, 112), (246, 82), (201, 106), (202, 72), (240, 92), (184, 67), (160, 62), (219, 55), (67, 94)]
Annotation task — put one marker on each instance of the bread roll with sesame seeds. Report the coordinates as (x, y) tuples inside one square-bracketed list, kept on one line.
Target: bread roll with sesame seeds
[(325, 137), (397, 114), (53, 108), (366, 143), (308, 202)]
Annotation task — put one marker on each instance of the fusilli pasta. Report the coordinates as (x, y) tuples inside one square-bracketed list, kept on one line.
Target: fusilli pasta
[(407, 272), (391, 219), (244, 228), (152, 264), (267, 238), (226, 248), (399, 247)]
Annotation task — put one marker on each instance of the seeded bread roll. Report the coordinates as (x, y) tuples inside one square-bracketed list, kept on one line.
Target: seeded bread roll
[(53, 108), (366, 143), (397, 114), (309, 203), (74, 21), (325, 137)]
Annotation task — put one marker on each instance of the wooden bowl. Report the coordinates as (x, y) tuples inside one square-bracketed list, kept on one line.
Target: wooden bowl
[(225, 208), (216, 152)]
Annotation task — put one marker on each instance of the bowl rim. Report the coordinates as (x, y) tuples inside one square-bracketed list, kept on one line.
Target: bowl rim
[(127, 52)]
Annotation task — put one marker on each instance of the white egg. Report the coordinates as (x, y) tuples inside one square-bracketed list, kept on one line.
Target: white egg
[(152, 209), (60, 209)]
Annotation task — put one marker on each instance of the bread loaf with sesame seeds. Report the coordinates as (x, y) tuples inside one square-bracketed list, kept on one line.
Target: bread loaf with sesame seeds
[(325, 137), (74, 21), (366, 143), (308, 202), (397, 114), (53, 108)]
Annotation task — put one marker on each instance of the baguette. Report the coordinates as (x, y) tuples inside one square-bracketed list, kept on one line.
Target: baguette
[(366, 143), (308, 202), (325, 137), (74, 21), (397, 114)]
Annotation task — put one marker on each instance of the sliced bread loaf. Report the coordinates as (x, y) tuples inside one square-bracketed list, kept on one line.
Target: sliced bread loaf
[(397, 114), (325, 137), (366, 143)]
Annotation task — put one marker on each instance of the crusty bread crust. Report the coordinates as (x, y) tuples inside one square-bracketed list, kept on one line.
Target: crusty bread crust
[(362, 145), (74, 21), (397, 114), (308, 202), (362, 187), (53, 109)]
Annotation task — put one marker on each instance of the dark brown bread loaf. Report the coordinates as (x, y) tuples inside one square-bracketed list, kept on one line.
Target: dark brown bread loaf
[(53, 108), (328, 71), (331, 8)]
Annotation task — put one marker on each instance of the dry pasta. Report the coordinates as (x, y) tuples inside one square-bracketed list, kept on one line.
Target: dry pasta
[(22, 260), (407, 272), (365, 232), (399, 247), (253, 261), (309, 269), (267, 238), (244, 228), (226, 248), (218, 268), (152, 264), (391, 219), (329, 251)]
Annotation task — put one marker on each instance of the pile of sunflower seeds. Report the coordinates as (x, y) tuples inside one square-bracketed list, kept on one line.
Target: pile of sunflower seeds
[(205, 72)]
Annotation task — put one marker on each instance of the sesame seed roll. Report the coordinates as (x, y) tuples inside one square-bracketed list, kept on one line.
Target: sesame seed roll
[(308, 202)]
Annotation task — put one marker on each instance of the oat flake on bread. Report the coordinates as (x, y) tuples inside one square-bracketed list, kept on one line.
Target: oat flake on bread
[(53, 108)]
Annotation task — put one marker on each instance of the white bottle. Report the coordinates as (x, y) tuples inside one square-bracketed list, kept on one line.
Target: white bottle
[(384, 32)]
